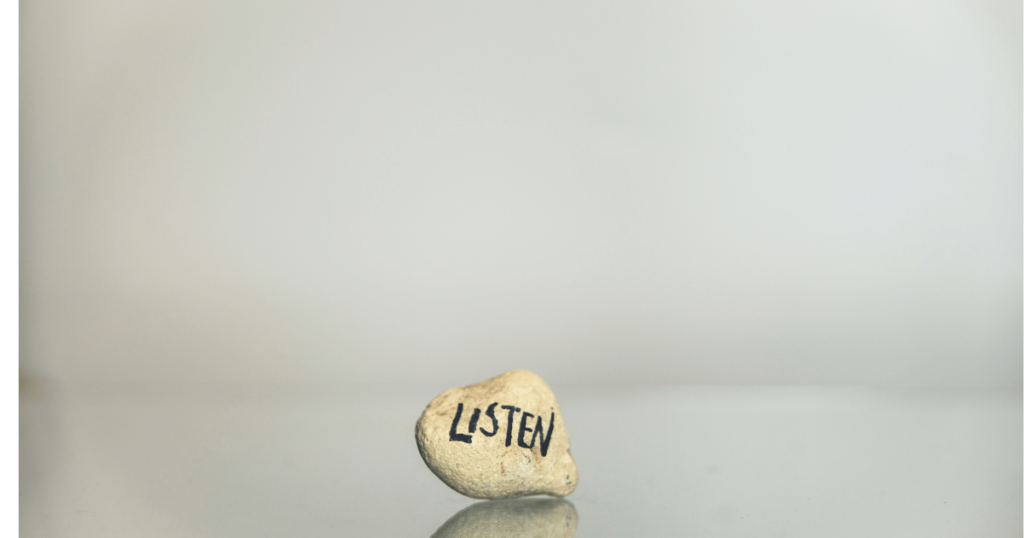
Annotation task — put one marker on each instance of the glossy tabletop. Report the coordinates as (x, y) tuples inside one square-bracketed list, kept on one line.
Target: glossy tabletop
[(173, 460)]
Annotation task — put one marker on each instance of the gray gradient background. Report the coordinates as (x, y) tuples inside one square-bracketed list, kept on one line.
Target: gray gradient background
[(606, 193)]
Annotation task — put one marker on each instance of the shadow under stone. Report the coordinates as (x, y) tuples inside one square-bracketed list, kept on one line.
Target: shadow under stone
[(518, 518)]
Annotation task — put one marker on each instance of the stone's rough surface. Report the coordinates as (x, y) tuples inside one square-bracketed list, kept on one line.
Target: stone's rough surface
[(498, 439), (523, 518)]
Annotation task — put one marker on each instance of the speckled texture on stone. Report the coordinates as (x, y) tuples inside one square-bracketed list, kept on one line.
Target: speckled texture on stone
[(513, 519), (494, 440)]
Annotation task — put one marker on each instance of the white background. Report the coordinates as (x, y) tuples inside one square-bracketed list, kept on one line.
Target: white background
[(617, 193), (258, 237)]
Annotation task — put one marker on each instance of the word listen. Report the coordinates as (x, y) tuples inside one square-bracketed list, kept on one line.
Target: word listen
[(538, 429)]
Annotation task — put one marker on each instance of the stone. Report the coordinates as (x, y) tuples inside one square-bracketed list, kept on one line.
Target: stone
[(498, 439), (520, 518)]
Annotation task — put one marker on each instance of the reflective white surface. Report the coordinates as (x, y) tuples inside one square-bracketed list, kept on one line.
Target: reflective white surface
[(165, 460)]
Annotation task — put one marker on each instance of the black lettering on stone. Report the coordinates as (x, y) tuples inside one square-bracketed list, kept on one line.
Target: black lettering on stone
[(539, 429), (494, 421), (473, 419), (508, 431), (455, 424), (523, 429)]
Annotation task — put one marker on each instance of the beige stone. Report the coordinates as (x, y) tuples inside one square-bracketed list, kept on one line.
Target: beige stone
[(521, 518), (498, 439)]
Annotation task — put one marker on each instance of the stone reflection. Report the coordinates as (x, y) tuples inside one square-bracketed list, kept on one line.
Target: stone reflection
[(520, 518)]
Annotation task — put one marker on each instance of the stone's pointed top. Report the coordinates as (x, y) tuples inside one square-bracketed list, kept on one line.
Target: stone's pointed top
[(522, 518), (524, 378), (498, 439)]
